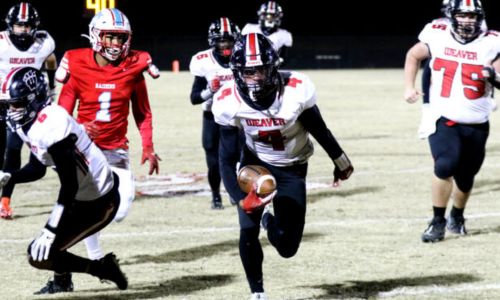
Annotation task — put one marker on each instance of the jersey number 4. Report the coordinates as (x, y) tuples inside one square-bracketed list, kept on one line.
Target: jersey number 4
[(103, 114), (473, 87)]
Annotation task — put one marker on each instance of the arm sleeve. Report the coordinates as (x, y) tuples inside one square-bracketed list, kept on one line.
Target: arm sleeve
[(229, 156), (68, 96), (313, 122), (63, 155), (199, 84), (141, 110), (30, 172)]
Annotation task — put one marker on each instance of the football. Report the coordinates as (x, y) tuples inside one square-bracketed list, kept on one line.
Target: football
[(258, 176)]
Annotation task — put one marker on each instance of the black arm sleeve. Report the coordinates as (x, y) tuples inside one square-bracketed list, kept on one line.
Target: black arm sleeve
[(30, 172), (283, 54), (51, 74), (63, 154), (199, 84), (229, 155), (313, 122)]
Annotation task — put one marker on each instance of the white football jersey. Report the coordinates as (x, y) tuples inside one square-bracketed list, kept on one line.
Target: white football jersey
[(35, 56), (457, 91), (274, 135), (52, 125), (279, 38), (204, 64)]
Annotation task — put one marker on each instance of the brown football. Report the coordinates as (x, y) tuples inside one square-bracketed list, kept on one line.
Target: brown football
[(251, 175)]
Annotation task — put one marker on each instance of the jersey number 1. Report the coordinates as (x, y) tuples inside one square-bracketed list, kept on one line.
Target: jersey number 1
[(103, 114)]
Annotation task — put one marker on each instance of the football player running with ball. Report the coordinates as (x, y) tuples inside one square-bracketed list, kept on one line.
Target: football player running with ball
[(465, 68), (277, 111), (105, 81), (88, 196)]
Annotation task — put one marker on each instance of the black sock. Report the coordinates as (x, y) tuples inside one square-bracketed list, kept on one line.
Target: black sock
[(68, 262), (439, 213), (457, 212)]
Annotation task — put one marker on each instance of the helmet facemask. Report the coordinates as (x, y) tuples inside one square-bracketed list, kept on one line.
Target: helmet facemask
[(222, 34), (270, 14), (466, 26), (114, 44), (260, 81)]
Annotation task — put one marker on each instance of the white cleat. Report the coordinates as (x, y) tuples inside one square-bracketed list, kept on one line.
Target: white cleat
[(258, 296)]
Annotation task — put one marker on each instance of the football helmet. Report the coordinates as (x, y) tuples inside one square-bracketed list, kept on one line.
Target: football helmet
[(254, 63), (222, 34), (26, 92), (22, 14), (110, 21), (445, 8), (270, 14), (465, 31)]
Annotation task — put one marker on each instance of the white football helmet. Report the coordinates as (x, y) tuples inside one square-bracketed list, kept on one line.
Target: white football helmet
[(110, 21)]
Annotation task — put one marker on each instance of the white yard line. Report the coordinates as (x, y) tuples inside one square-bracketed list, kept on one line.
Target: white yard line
[(208, 230), (415, 291)]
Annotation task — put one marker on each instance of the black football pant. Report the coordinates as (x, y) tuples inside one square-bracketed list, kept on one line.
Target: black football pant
[(210, 141), (78, 221), (12, 159), (284, 230), (458, 150)]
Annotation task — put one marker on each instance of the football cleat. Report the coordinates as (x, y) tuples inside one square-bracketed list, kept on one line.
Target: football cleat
[(456, 225), (5, 210), (62, 283), (110, 270), (435, 231), (258, 296), (217, 202)]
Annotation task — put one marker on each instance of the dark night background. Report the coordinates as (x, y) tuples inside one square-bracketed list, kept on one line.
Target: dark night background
[(355, 34)]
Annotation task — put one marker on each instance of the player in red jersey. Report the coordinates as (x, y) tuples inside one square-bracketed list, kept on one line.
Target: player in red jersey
[(106, 80)]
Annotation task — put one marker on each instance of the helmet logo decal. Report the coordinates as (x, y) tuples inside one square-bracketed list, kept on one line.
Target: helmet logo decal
[(23, 12), (30, 80)]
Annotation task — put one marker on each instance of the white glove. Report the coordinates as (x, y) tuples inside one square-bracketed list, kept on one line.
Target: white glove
[(4, 178), (40, 248)]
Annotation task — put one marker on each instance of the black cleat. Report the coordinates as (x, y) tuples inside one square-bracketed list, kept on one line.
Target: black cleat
[(217, 202), (110, 270), (435, 231), (62, 283), (456, 225)]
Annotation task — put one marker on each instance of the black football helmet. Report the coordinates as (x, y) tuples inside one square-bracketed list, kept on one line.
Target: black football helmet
[(222, 34), (26, 91), (255, 63), (270, 14), (22, 14), (465, 32)]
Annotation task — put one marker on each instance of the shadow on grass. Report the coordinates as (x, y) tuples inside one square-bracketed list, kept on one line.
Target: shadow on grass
[(370, 289), (314, 197), (178, 286), (22, 216), (195, 253)]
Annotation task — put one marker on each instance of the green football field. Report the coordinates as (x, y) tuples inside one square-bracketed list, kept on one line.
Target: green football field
[(361, 241)]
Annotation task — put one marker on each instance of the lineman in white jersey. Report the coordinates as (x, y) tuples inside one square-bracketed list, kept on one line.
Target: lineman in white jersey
[(465, 66), (88, 197), (277, 112), (270, 15), (427, 122), (211, 70), (21, 45)]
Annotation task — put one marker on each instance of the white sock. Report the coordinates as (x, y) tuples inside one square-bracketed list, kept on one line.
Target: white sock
[(94, 251)]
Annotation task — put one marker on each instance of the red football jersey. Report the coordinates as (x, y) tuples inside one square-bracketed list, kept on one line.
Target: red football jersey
[(104, 94)]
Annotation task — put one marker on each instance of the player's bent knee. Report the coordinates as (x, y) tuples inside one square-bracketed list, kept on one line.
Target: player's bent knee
[(444, 168)]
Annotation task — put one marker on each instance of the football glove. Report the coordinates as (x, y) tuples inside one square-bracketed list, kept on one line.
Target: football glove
[(92, 129), (4, 178), (343, 169), (490, 74), (148, 153), (40, 247), (253, 202), (214, 85)]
